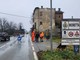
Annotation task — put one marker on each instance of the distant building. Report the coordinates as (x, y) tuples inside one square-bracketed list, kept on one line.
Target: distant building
[(41, 19), (58, 19)]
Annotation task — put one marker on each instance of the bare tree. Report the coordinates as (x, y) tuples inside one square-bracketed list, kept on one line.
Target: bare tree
[(20, 26), (22, 31), (10, 27), (4, 22), (0, 24), (6, 26)]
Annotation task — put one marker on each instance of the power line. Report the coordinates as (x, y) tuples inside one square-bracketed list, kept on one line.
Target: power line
[(13, 15)]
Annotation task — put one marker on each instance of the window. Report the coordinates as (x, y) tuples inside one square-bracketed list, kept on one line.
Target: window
[(40, 23), (35, 26), (41, 13), (59, 16)]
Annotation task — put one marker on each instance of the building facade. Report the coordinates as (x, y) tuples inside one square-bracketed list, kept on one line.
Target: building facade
[(58, 19), (41, 18)]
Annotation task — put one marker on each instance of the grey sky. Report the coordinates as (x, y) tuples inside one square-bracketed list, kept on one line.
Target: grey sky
[(26, 7)]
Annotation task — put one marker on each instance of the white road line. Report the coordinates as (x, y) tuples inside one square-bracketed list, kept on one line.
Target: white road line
[(34, 53), (33, 48)]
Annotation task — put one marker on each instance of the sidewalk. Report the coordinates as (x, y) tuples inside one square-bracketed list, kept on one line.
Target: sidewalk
[(44, 45)]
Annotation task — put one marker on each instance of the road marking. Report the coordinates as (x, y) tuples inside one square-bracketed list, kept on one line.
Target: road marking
[(33, 48), (34, 53)]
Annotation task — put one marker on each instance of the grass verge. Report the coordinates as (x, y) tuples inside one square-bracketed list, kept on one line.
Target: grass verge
[(56, 39), (58, 55)]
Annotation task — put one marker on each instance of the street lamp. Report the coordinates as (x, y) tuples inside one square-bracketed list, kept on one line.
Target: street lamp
[(51, 25)]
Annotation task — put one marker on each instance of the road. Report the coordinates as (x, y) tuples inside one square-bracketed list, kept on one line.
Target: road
[(16, 51), (3, 42)]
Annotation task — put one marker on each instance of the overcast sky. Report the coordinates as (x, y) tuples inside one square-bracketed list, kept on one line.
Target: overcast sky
[(26, 7)]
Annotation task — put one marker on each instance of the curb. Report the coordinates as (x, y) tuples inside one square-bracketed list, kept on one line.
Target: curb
[(34, 53)]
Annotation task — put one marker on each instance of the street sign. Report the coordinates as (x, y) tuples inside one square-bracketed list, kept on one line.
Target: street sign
[(77, 34), (70, 32), (76, 49)]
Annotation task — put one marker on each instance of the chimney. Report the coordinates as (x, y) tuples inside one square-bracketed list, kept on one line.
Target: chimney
[(41, 7), (59, 9), (54, 9), (72, 17)]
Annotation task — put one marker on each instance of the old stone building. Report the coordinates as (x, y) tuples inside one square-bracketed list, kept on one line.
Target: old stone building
[(58, 19), (41, 18)]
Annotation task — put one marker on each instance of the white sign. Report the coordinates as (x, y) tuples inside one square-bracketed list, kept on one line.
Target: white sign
[(70, 42), (73, 24), (70, 25), (70, 32)]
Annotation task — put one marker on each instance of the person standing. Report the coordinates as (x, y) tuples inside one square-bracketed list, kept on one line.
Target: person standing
[(33, 36), (37, 36), (41, 36), (47, 35)]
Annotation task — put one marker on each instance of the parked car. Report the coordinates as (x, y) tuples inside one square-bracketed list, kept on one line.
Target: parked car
[(4, 36)]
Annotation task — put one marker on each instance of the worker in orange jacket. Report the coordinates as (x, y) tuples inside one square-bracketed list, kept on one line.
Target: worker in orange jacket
[(33, 36), (41, 36)]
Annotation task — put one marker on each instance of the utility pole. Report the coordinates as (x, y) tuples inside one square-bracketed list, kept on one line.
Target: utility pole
[(38, 20), (51, 25)]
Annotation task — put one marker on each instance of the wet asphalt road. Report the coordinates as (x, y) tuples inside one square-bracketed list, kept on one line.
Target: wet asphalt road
[(4, 42), (17, 51)]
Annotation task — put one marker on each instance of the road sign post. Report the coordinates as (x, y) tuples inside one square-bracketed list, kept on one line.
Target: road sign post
[(70, 32), (76, 49), (51, 25)]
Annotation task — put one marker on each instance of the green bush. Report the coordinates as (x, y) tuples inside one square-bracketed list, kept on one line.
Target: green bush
[(47, 55), (58, 55), (76, 57)]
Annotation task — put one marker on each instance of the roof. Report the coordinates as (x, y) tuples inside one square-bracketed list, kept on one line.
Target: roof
[(59, 12), (35, 10), (71, 19)]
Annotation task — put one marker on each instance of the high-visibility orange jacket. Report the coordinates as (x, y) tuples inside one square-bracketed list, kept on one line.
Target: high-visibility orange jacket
[(42, 34), (33, 35)]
